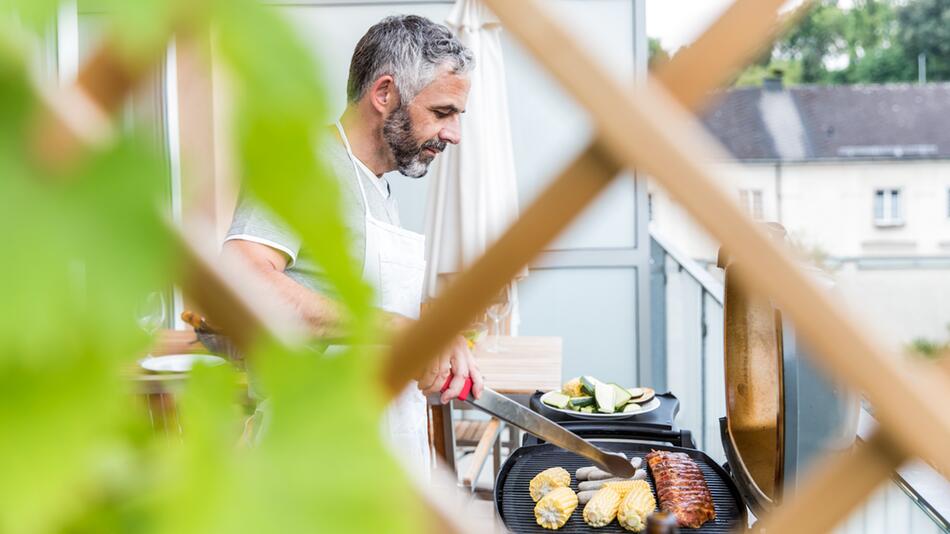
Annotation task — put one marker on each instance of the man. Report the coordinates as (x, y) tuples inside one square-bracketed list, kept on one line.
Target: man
[(408, 84)]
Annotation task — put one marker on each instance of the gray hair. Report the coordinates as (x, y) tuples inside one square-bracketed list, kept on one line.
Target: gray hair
[(409, 48)]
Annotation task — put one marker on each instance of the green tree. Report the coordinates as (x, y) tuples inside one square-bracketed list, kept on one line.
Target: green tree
[(872, 41), (658, 54), (924, 27)]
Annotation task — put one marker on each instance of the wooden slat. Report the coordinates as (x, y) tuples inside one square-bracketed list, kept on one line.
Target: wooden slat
[(649, 131), (836, 486), (488, 437)]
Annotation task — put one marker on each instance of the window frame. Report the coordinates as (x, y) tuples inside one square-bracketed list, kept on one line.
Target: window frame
[(891, 217)]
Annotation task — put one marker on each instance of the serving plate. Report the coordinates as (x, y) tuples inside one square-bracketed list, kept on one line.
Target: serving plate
[(649, 406), (179, 363)]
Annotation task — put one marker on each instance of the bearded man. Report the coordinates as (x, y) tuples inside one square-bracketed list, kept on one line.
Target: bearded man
[(408, 84)]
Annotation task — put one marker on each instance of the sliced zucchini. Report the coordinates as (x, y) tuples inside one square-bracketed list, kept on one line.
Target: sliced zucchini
[(557, 400), (589, 384), (585, 400), (636, 392), (632, 407), (604, 395), (587, 409), (621, 396)]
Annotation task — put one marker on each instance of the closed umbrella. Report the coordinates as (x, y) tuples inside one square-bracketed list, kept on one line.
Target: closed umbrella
[(473, 195)]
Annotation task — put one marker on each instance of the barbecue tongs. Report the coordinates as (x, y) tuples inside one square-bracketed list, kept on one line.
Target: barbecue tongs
[(515, 414)]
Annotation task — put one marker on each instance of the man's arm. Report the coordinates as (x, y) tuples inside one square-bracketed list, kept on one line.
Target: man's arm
[(321, 314)]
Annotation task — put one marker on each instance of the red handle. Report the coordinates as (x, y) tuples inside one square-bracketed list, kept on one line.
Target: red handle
[(466, 387)]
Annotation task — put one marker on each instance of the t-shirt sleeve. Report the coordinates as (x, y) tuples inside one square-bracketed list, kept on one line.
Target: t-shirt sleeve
[(254, 222)]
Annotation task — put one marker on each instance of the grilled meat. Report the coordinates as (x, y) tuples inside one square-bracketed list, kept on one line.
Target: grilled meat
[(681, 488)]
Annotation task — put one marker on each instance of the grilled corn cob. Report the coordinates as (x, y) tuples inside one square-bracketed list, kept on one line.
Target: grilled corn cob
[(572, 388), (623, 487), (602, 507), (636, 506), (547, 480), (555, 508)]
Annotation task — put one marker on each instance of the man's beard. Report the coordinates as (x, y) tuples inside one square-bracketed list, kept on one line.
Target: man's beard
[(409, 156)]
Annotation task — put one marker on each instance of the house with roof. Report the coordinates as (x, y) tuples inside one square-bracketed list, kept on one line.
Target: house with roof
[(859, 176)]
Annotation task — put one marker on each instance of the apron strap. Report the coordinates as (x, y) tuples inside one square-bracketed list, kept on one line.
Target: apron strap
[(356, 169)]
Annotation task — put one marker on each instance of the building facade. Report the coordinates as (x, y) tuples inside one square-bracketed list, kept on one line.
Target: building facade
[(860, 178)]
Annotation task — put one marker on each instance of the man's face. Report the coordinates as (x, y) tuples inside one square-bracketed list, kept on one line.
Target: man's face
[(418, 131)]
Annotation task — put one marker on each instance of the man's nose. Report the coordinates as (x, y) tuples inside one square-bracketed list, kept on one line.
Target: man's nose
[(452, 133)]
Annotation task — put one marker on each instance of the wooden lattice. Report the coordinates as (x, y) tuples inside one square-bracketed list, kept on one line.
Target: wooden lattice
[(646, 128)]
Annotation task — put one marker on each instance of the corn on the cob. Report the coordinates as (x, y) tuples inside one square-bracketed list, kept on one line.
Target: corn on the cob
[(602, 507), (555, 508), (624, 486), (572, 388), (547, 480), (636, 506)]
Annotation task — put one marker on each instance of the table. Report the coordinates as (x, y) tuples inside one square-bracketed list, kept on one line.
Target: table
[(524, 365)]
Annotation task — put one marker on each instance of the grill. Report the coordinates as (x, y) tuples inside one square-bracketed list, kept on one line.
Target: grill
[(516, 509)]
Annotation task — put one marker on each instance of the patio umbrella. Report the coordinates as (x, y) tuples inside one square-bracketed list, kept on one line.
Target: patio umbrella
[(473, 195)]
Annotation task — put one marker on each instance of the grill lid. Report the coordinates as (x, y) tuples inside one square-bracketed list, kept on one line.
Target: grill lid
[(780, 411)]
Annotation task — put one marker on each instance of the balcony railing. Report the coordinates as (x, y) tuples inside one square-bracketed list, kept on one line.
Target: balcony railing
[(687, 351)]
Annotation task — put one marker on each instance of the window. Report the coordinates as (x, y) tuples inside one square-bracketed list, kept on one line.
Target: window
[(751, 201), (650, 206), (887, 207)]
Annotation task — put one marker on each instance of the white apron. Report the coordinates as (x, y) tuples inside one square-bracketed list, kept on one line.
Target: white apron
[(394, 263)]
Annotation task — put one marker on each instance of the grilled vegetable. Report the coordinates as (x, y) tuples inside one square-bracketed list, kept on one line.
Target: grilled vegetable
[(584, 400), (621, 396), (587, 409), (572, 388), (547, 480), (636, 505), (604, 396), (602, 507), (558, 400), (589, 384), (624, 486), (555, 508), (632, 407)]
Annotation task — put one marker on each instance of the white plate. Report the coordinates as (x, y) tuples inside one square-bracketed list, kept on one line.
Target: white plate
[(651, 405), (179, 363)]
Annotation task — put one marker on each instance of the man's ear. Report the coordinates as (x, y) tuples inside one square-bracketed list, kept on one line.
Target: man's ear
[(383, 95)]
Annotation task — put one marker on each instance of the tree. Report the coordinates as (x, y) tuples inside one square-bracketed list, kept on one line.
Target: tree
[(924, 27), (658, 55), (873, 41)]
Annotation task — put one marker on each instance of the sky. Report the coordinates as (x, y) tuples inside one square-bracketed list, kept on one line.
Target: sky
[(678, 22)]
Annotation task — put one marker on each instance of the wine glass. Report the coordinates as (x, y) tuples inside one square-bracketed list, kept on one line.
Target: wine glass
[(151, 313), (497, 311)]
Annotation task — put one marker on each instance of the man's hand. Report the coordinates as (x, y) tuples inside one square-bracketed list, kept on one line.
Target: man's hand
[(458, 361)]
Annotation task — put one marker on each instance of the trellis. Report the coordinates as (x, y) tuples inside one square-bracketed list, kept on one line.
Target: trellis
[(646, 128)]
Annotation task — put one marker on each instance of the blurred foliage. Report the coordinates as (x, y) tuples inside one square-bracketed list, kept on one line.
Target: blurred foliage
[(931, 348), (80, 253), (861, 41)]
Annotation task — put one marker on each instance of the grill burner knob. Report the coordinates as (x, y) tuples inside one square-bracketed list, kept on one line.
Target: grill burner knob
[(662, 523)]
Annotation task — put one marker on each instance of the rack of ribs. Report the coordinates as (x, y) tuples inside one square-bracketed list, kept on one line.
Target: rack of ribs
[(681, 488)]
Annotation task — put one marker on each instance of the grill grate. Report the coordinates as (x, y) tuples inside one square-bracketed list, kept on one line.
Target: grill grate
[(516, 508)]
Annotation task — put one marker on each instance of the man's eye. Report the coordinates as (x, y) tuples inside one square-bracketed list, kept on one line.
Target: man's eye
[(441, 114)]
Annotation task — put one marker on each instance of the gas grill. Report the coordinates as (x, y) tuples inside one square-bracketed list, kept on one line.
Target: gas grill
[(781, 413)]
